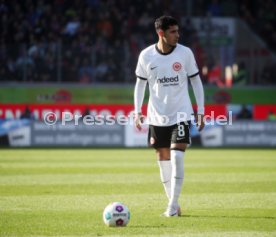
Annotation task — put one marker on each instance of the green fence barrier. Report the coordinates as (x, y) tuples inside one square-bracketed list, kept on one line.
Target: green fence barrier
[(124, 95)]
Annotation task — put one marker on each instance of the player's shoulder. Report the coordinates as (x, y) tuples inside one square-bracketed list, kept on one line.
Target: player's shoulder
[(183, 49), (148, 51)]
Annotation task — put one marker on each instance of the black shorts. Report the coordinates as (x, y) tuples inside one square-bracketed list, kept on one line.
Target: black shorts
[(163, 137)]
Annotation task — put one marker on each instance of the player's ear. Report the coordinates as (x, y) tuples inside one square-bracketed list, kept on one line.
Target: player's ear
[(160, 33)]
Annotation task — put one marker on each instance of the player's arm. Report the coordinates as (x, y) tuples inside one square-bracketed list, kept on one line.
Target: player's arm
[(199, 96), (139, 93)]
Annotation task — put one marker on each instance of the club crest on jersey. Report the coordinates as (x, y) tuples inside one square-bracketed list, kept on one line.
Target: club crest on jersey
[(177, 66)]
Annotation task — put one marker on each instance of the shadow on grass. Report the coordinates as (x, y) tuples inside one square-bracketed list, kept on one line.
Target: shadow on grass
[(229, 217)]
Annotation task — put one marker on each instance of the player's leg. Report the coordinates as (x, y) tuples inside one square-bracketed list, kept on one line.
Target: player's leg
[(165, 166), (159, 139), (180, 139), (177, 160)]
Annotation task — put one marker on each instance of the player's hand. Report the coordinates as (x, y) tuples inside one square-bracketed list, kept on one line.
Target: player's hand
[(200, 121), (138, 120)]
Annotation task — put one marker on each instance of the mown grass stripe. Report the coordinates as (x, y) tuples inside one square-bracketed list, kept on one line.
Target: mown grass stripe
[(29, 179), (134, 186), (201, 200)]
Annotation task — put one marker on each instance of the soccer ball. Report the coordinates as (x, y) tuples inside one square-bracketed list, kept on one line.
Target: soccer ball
[(116, 214)]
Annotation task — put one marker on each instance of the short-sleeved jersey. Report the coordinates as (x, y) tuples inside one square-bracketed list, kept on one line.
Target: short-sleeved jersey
[(167, 76)]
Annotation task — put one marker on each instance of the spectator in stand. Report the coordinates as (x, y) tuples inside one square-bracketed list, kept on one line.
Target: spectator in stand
[(72, 26), (27, 114), (244, 113), (271, 116), (241, 77), (86, 114), (86, 72), (215, 75), (214, 8)]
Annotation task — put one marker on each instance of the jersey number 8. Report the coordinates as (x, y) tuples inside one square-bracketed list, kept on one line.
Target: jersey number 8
[(181, 130)]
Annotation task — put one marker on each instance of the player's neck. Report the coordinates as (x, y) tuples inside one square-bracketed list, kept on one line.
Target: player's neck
[(163, 47)]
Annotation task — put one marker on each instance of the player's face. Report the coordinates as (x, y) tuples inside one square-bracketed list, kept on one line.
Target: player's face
[(171, 36)]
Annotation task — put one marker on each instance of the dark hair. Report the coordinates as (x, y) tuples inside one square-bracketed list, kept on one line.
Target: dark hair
[(164, 22)]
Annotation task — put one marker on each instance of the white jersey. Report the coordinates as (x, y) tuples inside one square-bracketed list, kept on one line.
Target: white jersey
[(167, 76)]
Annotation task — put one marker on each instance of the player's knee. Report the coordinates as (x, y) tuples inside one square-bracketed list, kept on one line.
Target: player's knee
[(163, 154)]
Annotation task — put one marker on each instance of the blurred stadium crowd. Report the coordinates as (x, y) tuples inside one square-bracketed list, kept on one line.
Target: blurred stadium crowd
[(99, 40)]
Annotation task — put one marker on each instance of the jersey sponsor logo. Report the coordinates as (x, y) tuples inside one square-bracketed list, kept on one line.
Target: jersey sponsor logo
[(153, 68), (177, 66), (167, 79)]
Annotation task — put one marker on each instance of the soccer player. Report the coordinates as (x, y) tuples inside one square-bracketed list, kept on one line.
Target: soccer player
[(166, 66)]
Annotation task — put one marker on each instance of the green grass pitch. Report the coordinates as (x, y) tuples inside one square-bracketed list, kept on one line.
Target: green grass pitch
[(62, 192)]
